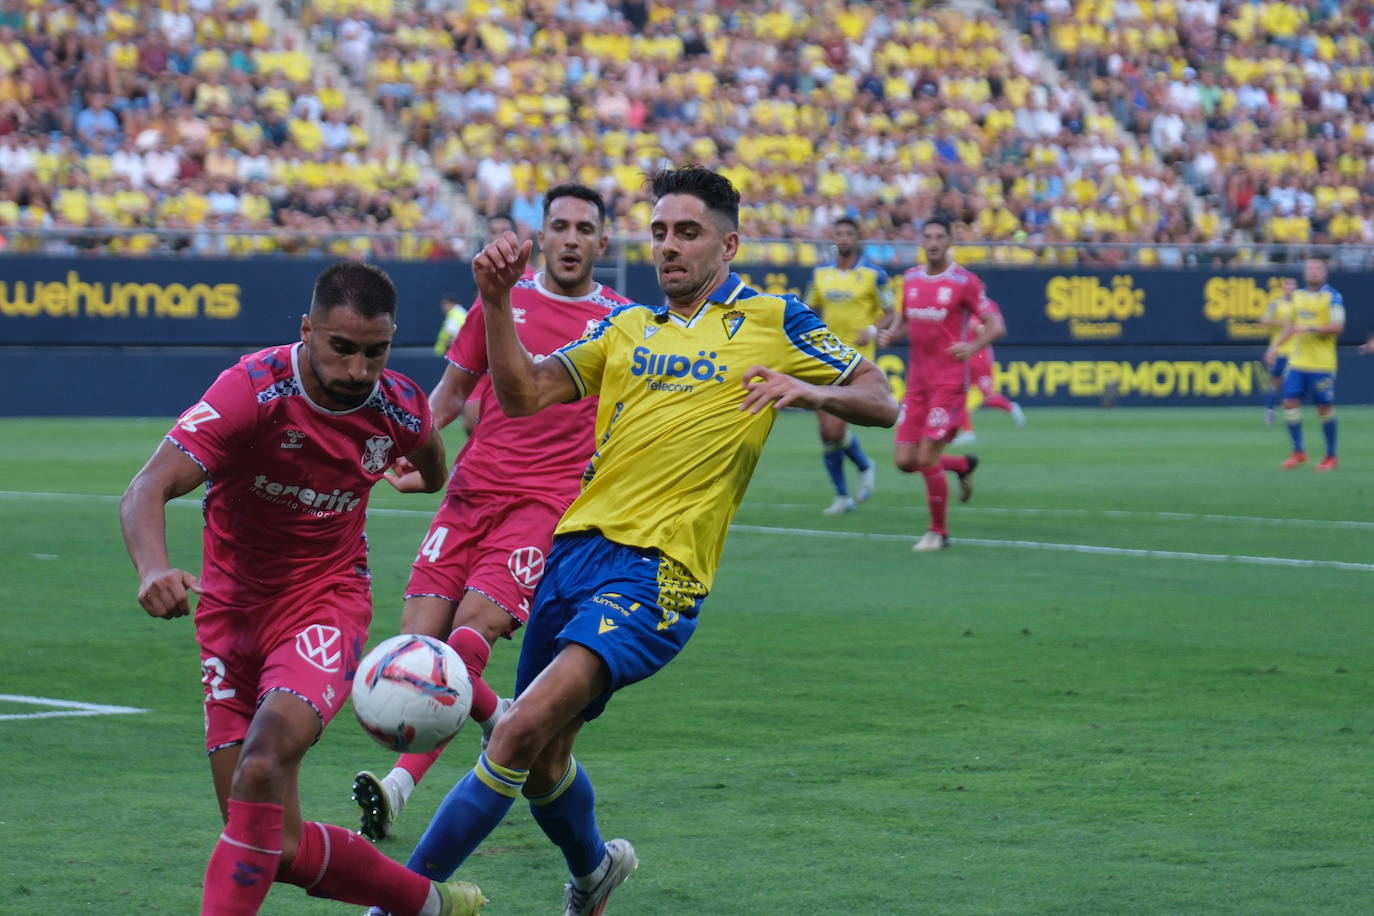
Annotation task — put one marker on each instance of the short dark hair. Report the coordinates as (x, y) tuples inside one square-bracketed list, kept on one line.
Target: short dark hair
[(847, 221), (711, 188), (364, 288), (938, 221), (581, 192)]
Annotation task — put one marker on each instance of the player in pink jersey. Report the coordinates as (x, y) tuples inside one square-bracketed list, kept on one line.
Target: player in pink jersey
[(983, 387), (478, 565), (288, 443), (938, 302)]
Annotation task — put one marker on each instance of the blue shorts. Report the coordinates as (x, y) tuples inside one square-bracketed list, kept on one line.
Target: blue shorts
[(1280, 364), (1321, 386), (632, 606)]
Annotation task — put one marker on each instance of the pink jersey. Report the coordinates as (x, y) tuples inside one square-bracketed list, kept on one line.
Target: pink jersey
[(547, 453), (980, 363), (938, 308), (288, 480)]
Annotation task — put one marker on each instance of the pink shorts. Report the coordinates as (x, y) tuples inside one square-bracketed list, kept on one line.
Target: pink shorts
[(489, 543), (307, 643), (934, 414)]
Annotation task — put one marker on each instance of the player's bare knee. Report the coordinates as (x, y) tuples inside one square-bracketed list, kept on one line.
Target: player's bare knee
[(260, 776), (518, 738), (489, 623)]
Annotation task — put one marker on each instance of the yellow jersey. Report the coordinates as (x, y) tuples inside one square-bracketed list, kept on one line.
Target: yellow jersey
[(1280, 314), (674, 451), (1316, 352), (850, 300)]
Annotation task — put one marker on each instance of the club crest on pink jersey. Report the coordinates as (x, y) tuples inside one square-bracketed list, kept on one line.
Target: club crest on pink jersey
[(377, 453), (321, 646), (526, 565)]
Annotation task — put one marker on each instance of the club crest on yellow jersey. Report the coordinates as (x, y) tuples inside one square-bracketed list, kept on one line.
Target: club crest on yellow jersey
[(732, 321)]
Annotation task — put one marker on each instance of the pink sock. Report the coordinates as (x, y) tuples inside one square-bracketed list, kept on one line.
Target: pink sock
[(956, 463), (937, 496), (244, 863), (335, 863), (475, 652), (998, 402), (417, 765)]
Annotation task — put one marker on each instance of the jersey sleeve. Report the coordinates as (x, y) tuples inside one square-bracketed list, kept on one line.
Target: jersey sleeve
[(813, 353), (1336, 309), (585, 358), (469, 348), (886, 289), (976, 295), (987, 310), (215, 427)]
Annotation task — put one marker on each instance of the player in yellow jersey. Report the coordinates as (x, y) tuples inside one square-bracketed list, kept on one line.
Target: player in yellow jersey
[(688, 391), (853, 297), (1318, 319), (1277, 316)]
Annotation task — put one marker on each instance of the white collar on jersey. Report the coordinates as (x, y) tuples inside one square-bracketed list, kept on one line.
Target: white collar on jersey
[(544, 290)]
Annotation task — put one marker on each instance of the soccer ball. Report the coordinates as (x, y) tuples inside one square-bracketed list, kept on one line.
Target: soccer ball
[(412, 693)]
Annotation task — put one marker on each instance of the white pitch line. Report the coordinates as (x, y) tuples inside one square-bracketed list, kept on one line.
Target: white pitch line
[(1113, 513), (1070, 548), (963, 510), (66, 708), (976, 542)]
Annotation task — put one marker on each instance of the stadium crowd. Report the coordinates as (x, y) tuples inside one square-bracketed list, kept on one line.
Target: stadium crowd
[(1099, 125)]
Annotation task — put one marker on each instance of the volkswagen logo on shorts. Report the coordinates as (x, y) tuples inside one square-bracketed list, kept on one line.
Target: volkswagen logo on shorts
[(321, 646), (527, 565)]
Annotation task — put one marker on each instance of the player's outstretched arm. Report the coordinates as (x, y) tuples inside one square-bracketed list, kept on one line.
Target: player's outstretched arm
[(450, 394), (864, 398), (422, 471), (170, 473), (522, 385), (892, 329)]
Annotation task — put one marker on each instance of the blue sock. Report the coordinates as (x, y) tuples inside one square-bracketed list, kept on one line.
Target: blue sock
[(1269, 398), (855, 452), (471, 810), (1329, 431), (834, 464), (1295, 433), (567, 816)]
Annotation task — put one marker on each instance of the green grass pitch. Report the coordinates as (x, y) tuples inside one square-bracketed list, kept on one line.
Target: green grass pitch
[(1023, 724)]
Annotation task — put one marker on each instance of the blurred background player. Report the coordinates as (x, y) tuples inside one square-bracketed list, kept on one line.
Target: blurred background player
[(1317, 321), (1277, 316), (679, 434), (484, 553), (852, 296), (455, 313), (938, 300), (983, 388), (293, 438)]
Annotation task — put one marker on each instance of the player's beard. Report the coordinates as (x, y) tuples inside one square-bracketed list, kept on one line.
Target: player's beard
[(343, 396)]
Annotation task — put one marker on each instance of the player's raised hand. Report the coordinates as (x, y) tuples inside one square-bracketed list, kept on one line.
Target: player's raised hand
[(770, 387), (499, 265), (164, 592)]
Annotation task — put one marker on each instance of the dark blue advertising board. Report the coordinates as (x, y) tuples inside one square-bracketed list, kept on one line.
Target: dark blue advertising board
[(145, 336)]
